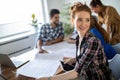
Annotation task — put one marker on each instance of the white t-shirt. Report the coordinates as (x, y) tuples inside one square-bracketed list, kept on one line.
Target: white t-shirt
[(78, 52)]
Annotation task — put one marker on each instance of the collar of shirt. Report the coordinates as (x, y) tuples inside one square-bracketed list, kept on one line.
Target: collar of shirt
[(55, 26)]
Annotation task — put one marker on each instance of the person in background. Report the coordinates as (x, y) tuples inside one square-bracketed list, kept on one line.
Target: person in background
[(100, 33), (109, 16), (51, 33), (91, 63)]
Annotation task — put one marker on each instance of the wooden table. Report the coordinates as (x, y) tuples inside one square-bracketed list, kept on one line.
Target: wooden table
[(11, 73)]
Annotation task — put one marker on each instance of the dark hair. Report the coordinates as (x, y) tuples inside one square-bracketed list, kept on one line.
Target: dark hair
[(79, 7), (95, 24), (94, 3), (53, 12)]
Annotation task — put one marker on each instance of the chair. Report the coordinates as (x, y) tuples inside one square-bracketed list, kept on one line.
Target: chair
[(114, 65), (2, 78), (117, 48)]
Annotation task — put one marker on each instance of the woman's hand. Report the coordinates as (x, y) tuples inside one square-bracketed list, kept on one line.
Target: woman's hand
[(70, 61), (70, 75)]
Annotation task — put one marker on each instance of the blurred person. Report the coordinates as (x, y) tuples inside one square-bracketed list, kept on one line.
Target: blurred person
[(51, 33)]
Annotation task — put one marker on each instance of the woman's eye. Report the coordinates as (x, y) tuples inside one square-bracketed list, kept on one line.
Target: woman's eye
[(87, 20), (80, 20)]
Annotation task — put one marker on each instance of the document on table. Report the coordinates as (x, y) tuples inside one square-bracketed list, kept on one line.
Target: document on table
[(42, 66), (49, 56), (65, 48)]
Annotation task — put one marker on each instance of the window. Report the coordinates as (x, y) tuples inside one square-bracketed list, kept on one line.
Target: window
[(20, 10)]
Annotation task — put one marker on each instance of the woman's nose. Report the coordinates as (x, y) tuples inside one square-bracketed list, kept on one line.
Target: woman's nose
[(83, 23)]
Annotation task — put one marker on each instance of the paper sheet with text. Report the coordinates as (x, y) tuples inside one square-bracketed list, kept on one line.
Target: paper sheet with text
[(43, 65)]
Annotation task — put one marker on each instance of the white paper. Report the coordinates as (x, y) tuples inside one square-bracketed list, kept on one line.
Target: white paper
[(65, 48), (49, 56), (43, 65), (39, 68)]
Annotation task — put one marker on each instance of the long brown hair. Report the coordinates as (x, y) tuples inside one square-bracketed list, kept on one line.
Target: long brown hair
[(95, 24)]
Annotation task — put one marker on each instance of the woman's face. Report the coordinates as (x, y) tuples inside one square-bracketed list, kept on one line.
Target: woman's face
[(96, 9), (82, 22)]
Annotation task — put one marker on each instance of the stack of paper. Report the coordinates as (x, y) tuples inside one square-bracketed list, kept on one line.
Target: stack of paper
[(68, 50), (43, 65)]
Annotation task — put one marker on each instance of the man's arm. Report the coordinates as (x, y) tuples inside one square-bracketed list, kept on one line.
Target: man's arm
[(59, 39), (41, 37), (40, 50), (40, 45)]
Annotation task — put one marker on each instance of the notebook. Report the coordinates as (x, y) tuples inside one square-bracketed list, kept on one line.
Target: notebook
[(74, 36), (5, 60)]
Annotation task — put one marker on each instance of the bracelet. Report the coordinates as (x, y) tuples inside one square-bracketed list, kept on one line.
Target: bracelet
[(49, 78)]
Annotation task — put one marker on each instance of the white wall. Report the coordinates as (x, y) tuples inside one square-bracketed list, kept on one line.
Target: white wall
[(45, 10), (72, 1), (58, 4), (19, 10), (114, 3)]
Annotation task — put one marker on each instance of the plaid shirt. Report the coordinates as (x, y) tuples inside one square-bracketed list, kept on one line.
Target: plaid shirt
[(47, 33), (91, 62)]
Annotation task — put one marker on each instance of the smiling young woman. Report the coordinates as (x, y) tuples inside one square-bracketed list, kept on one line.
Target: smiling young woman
[(91, 63)]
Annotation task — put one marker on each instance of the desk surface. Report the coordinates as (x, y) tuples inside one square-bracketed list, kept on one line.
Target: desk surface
[(10, 73)]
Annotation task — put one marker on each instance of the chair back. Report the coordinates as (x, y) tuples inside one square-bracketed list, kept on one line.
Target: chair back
[(114, 65)]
